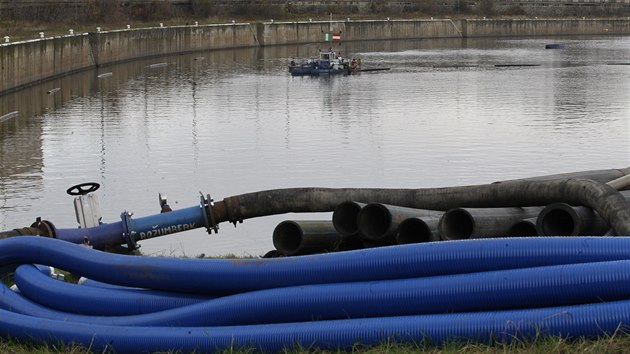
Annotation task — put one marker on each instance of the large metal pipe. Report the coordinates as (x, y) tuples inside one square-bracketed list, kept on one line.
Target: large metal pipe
[(296, 237), (345, 217), (523, 228), (131, 230), (25, 231), (464, 223), (620, 183), (561, 219), (606, 200), (416, 230), (379, 222), (603, 176), (537, 191)]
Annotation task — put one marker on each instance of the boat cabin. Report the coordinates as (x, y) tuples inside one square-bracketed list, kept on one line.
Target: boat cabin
[(329, 55)]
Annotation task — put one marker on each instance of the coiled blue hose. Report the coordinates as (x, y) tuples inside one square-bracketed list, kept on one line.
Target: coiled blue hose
[(485, 291), (561, 281), (225, 276), (580, 321), (93, 301)]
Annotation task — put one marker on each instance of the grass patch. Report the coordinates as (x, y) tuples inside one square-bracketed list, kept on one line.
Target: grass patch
[(610, 345)]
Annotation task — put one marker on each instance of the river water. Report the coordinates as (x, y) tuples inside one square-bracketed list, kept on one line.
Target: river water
[(447, 113)]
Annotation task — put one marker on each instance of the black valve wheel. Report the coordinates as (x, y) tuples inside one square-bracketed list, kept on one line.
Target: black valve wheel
[(83, 188)]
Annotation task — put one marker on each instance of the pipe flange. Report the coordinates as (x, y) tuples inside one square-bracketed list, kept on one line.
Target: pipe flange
[(127, 231), (45, 227), (207, 204)]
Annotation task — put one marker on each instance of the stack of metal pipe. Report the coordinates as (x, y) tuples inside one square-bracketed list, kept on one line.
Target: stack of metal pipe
[(369, 224)]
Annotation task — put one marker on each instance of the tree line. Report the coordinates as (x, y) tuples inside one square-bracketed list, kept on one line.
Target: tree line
[(116, 11)]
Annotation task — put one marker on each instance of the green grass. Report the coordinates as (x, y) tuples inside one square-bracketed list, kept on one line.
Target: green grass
[(613, 344)]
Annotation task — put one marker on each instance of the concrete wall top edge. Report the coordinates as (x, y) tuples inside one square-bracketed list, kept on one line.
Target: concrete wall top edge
[(29, 41), (354, 21), (546, 19), (177, 27)]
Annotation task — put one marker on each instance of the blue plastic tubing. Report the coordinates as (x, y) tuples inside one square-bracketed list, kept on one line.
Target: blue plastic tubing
[(478, 290)]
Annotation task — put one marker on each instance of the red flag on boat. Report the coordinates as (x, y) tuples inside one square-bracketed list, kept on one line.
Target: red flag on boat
[(336, 37)]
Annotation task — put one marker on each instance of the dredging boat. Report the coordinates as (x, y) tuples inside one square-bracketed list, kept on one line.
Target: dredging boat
[(327, 63)]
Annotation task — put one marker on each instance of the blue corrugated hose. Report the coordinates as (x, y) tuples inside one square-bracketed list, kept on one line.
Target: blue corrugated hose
[(481, 290)]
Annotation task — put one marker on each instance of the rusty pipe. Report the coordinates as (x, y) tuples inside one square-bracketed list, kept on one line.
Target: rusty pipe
[(575, 191), (25, 231), (245, 206), (38, 228)]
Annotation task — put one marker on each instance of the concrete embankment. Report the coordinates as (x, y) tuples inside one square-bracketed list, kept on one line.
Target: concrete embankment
[(30, 62)]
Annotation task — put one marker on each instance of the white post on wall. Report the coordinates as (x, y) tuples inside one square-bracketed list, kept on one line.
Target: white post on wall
[(6, 39), (41, 35)]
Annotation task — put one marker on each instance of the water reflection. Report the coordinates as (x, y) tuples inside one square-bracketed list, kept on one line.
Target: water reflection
[(231, 122)]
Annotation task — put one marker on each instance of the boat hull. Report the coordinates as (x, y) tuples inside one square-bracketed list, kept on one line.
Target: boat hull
[(300, 71)]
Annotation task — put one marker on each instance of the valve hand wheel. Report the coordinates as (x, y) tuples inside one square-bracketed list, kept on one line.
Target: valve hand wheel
[(83, 188)]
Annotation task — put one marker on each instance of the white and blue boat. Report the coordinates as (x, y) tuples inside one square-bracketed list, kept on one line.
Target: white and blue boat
[(328, 63)]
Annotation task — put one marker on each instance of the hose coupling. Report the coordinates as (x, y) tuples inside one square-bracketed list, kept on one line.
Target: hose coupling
[(128, 233), (207, 204)]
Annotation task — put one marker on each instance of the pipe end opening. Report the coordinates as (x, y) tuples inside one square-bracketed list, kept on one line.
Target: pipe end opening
[(413, 230), (456, 224), (557, 220), (523, 229), (287, 237), (374, 221), (345, 218)]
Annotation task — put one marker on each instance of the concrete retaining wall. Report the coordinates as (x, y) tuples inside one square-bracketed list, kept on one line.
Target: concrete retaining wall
[(26, 63), (513, 28), (282, 33), (115, 46)]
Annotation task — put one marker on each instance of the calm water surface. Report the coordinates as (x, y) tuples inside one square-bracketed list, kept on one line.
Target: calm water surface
[(449, 112)]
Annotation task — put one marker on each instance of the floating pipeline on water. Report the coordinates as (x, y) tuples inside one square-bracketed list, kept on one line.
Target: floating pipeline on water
[(562, 286)]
